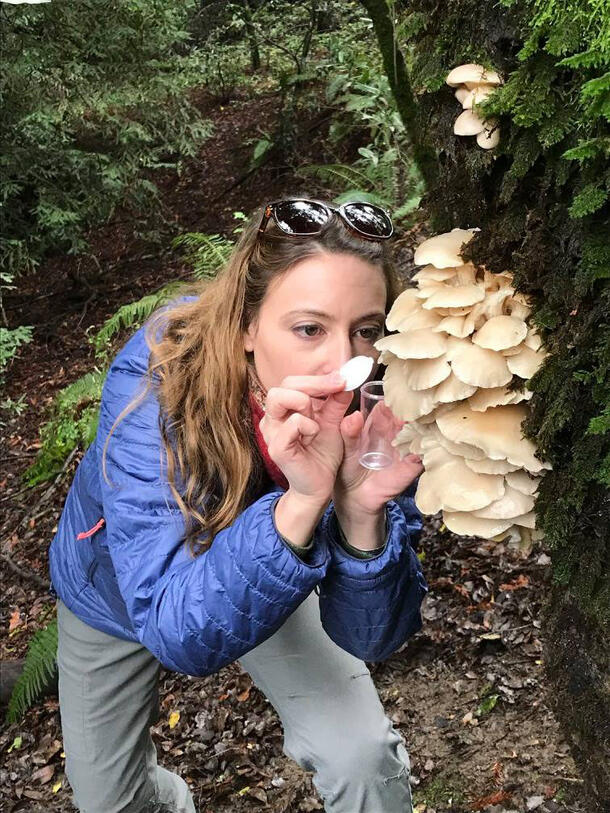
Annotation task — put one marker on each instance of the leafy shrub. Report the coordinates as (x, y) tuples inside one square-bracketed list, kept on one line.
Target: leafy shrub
[(10, 341), (90, 101)]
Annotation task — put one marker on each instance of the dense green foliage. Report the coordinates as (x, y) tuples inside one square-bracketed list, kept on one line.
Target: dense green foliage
[(359, 100), (94, 96)]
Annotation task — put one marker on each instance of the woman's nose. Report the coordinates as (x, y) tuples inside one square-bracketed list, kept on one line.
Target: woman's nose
[(341, 351)]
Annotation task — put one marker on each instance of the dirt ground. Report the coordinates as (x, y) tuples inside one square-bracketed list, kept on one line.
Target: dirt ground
[(468, 692)]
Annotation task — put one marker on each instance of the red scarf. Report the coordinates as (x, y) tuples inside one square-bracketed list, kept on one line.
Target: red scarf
[(256, 397)]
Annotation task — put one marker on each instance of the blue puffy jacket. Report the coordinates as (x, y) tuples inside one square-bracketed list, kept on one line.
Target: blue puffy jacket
[(119, 561)]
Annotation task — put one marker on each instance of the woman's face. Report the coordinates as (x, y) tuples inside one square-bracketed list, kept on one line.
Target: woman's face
[(320, 313)]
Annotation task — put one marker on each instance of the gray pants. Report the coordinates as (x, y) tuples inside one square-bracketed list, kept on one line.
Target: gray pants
[(334, 723)]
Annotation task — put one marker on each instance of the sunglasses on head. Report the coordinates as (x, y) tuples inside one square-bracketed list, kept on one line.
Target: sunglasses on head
[(300, 217)]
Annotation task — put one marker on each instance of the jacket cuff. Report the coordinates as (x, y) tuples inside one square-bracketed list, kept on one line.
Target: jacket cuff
[(377, 570), (303, 552)]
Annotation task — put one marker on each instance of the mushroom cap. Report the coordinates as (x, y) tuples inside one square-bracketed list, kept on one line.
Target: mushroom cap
[(454, 296), (443, 250), (464, 523), (421, 374), (477, 95), (473, 73), (461, 94), (447, 483), (533, 339), (487, 466), (526, 363), (404, 304), (497, 431), (406, 404), (430, 273), (526, 520), (468, 123), (465, 311), (419, 319), (479, 367), (513, 351), (457, 326), (511, 504), (452, 389), (517, 305), (501, 332), (489, 137), (496, 396), (521, 481), (432, 438), (427, 287), (417, 344)]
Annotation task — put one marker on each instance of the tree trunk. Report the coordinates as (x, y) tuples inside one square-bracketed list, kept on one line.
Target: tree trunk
[(542, 217), (255, 57)]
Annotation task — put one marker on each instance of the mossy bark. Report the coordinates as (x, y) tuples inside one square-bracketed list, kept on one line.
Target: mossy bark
[(542, 216)]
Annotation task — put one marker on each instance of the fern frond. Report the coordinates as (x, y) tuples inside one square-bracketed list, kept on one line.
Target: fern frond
[(207, 253), (40, 665), (72, 422), (131, 315)]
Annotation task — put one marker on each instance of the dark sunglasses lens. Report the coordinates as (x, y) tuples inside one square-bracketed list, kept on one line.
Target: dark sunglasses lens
[(368, 219), (300, 217)]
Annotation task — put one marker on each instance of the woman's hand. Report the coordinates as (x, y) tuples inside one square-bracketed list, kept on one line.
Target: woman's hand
[(303, 434), (360, 491)]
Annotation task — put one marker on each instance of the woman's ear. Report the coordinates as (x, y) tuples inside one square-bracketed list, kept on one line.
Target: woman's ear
[(249, 336)]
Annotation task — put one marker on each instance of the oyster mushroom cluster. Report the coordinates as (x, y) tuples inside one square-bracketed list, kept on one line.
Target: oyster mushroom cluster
[(473, 84), (462, 336)]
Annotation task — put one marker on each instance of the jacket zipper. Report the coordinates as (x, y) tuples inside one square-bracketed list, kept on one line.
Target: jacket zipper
[(86, 534)]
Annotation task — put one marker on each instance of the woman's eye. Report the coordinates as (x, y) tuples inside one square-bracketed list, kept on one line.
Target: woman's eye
[(372, 333), (307, 328)]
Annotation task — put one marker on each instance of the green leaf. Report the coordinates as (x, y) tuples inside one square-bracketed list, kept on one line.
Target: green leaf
[(487, 704), (16, 744)]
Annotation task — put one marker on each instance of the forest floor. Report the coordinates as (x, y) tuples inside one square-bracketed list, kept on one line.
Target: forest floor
[(468, 692)]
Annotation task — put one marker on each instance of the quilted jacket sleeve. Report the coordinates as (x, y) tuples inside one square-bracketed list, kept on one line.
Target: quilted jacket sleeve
[(194, 615), (371, 607)]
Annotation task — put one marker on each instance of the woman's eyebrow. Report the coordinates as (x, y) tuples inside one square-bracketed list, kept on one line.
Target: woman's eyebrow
[(324, 315)]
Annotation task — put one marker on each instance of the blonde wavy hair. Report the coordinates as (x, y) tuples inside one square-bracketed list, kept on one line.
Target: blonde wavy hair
[(198, 370)]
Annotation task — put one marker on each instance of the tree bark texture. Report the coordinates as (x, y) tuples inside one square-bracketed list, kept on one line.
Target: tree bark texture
[(538, 199)]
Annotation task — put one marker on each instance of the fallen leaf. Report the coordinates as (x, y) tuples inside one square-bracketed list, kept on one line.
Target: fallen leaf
[(43, 775), (244, 695), (521, 581), (15, 620), (258, 793), (173, 719), (56, 786), (494, 799)]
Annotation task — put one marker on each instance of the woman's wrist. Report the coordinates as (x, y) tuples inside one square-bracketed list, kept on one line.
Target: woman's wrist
[(297, 515), (364, 530)]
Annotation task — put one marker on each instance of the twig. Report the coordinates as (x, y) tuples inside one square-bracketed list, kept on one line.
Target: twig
[(25, 574)]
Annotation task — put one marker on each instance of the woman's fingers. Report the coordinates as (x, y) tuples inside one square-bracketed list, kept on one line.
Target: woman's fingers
[(281, 402), (315, 385), (295, 429)]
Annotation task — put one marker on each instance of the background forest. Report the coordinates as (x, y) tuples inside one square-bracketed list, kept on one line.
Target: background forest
[(136, 137)]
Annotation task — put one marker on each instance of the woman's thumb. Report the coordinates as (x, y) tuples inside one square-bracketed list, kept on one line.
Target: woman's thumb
[(351, 427)]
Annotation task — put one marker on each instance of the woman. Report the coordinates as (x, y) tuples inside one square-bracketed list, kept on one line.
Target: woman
[(221, 514)]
